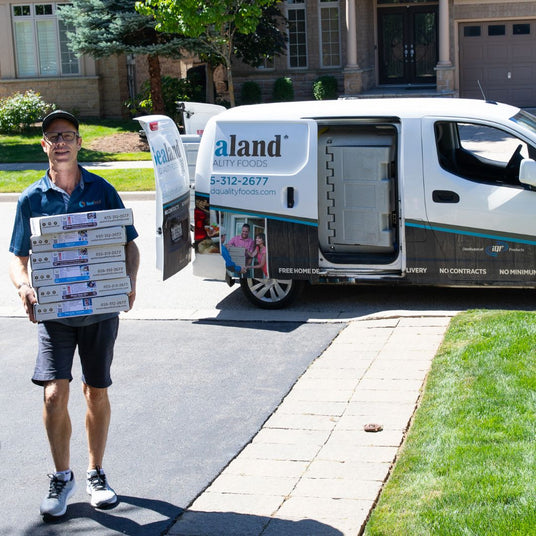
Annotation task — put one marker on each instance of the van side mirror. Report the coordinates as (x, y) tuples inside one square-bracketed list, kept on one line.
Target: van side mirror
[(527, 172)]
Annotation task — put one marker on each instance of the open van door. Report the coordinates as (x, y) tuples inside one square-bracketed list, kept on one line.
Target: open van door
[(196, 114), (172, 185)]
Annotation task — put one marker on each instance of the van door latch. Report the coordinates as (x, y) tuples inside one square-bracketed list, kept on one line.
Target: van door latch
[(445, 196), (290, 197)]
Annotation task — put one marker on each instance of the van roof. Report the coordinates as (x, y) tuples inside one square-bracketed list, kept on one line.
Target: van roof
[(397, 107)]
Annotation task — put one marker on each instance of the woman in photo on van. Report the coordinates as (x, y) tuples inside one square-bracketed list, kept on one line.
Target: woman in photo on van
[(259, 255)]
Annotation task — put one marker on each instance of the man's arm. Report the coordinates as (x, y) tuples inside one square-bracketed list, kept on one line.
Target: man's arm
[(132, 258), (18, 272)]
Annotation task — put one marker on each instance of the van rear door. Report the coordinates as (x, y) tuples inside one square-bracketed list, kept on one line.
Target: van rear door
[(267, 168), (172, 185), (262, 177)]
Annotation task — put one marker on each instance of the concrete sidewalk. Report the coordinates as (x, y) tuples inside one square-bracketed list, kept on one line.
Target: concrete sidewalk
[(312, 460)]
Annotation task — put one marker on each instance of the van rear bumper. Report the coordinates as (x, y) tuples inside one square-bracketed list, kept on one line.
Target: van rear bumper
[(209, 266)]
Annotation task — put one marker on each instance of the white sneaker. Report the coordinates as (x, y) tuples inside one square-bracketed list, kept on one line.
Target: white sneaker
[(102, 494), (55, 503)]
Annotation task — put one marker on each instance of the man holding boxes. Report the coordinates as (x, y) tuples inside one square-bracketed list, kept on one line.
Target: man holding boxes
[(91, 325)]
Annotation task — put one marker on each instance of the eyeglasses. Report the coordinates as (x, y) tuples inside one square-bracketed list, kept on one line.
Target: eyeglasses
[(54, 137)]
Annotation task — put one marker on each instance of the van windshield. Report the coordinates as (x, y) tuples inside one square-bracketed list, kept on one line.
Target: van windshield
[(525, 119)]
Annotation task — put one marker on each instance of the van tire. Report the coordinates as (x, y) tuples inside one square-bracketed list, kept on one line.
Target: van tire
[(271, 293)]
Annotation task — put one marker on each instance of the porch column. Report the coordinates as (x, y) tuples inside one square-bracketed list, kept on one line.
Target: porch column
[(444, 34), (353, 82), (444, 68), (351, 35)]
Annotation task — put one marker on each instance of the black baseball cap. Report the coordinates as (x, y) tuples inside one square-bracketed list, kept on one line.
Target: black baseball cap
[(59, 114)]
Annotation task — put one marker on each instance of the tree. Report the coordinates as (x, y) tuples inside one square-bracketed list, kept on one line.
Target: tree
[(101, 28), (268, 40), (215, 23)]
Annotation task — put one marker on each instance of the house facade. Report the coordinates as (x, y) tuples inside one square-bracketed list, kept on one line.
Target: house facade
[(416, 47), (372, 47)]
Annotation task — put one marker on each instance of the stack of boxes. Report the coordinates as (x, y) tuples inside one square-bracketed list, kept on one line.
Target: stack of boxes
[(78, 263)]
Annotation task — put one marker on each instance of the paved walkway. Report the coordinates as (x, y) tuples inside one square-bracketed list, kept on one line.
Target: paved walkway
[(312, 460)]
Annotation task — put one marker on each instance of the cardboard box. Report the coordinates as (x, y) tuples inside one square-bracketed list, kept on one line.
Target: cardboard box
[(87, 306), (86, 289), (77, 239), (77, 221), (238, 255), (77, 274), (71, 257)]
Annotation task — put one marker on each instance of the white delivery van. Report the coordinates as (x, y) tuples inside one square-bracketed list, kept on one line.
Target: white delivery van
[(413, 191)]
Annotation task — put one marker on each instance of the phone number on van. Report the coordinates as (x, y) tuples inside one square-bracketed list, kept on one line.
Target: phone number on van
[(225, 180)]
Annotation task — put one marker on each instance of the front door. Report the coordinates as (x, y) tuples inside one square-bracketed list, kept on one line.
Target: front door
[(407, 44)]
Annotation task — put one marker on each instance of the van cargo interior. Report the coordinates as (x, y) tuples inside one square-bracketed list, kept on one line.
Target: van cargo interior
[(357, 212)]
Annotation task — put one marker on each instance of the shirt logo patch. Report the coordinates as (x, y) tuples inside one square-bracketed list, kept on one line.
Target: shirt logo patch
[(84, 204)]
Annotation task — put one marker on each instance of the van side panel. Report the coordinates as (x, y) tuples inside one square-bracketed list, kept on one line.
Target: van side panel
[(293, 250), (476, 232)]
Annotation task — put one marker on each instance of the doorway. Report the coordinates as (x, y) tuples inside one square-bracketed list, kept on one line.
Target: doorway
[(408, 44)]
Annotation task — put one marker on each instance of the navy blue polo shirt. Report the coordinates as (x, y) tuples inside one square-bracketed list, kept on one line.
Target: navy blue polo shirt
[(43, 199)]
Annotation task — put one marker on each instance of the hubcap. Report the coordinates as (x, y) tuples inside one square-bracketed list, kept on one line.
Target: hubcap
[(270, 290)]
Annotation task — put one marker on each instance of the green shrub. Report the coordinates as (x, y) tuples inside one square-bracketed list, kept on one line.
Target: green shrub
[(250, 93), (223, 102), (19, 111), (173, 90), (283, 90), (325, 88)]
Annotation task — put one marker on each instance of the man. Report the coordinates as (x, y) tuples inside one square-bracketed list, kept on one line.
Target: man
[(243, 240), (229, 263), (67, 187)]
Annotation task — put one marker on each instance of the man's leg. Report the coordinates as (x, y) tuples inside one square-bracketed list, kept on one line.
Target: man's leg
[(57, 422), (96, 348), (58, 428), (97, 423)]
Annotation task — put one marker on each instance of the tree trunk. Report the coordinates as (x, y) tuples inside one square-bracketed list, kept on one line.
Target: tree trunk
[(230, 86), (156, 84), (209, 82)]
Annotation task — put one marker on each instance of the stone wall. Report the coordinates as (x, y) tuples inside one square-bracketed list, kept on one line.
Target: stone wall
[(78, 95)]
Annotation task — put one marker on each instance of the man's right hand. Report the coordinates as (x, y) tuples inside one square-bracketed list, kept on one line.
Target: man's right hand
[(27, 295)]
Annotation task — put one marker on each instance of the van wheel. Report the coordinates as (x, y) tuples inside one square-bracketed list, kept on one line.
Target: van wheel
[(271, 293)]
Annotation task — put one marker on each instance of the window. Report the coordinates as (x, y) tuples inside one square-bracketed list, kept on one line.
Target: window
[(480, 153), (41, 42), (496, 29), (521, 29), (471, 31), (330, 44), (267, 64), (297, 33)]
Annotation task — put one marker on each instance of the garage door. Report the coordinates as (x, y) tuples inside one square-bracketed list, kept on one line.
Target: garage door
[(502, 56)]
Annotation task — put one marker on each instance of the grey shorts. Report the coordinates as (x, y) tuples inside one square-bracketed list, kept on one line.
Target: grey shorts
[(57, 345)]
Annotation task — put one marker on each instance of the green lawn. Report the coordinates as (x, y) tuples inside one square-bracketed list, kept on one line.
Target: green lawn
[(26, 147), (468, 466), (124, 180)]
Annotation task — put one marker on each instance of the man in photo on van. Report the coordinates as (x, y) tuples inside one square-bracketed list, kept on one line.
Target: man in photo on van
[(66, 188), (243, 240)]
